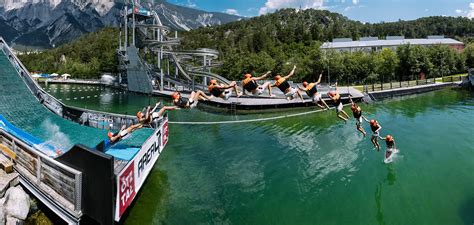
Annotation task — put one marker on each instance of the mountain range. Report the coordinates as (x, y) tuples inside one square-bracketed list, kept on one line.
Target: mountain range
[(48, 23)]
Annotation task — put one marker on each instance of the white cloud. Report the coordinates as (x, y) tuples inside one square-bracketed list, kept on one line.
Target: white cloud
[(470, 14), (191, 4), (272, 5), (458, 11), (355, 2), (232, 12)]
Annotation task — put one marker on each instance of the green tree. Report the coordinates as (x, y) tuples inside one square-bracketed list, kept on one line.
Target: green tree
[(469, 55), (419, 61), (387, 62)]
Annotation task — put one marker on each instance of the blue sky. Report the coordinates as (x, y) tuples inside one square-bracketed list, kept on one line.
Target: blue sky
[(362, 10)]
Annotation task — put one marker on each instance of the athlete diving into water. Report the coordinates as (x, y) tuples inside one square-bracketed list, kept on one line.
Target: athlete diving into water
[(285, 87), (124, 132), (250, 84), (223, 91), (337, 101), (391, 146), (375, 127), (186, 103), (357, 113), (311, 90), (151, 114)]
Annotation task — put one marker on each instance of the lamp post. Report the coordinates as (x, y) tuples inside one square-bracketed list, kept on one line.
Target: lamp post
[(327, 59)]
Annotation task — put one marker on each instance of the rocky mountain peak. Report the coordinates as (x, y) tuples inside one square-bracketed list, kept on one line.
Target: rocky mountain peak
[(46, 23)]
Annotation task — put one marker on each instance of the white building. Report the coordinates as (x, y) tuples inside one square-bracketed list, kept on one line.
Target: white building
[(368, 44)]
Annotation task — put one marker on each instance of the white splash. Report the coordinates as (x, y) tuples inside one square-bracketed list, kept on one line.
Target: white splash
[(55, 136)]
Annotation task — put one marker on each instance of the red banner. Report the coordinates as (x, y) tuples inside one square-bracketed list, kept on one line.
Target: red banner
[(127, 188), (165, 134)]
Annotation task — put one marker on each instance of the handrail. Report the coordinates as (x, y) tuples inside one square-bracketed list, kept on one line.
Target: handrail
[(409, 83), (17, 145)]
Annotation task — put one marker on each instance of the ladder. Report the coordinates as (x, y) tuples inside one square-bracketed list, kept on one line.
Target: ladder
[(233, 108)]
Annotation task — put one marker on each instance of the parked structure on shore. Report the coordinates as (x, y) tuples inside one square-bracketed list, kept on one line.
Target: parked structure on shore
[(374, 44)]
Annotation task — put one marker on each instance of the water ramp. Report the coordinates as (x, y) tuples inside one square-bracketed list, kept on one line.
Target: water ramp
[(58, 154)]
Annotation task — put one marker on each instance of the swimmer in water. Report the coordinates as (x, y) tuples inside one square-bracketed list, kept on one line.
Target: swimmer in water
[(375, 127), (357, 112), (337, 101), (124, 132), (311, 90), (285, 87), (391, 146), (191, 102), (250, 84), (223, 91)]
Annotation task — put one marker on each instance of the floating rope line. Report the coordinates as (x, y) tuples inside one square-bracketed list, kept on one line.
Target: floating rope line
[(246, 121)]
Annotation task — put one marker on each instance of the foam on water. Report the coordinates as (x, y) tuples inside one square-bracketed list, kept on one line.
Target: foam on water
[(393, 157)]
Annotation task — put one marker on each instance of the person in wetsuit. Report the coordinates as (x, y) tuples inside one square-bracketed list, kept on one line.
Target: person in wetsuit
[(390, 142), (311, 90), (222, 91), (186, 103), (357, 113), (250, 84), (337, 101), (285, 87), (375, 127)]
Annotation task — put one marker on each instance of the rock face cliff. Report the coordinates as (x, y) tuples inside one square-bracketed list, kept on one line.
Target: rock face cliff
[(47, 23)]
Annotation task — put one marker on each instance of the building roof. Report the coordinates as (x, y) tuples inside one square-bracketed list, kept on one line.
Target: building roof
[(394, 42)]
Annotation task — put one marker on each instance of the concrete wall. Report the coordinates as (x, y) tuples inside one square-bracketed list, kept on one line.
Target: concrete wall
[(411, 90)]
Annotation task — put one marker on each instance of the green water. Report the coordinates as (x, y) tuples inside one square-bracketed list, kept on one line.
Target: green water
[(314, 169)]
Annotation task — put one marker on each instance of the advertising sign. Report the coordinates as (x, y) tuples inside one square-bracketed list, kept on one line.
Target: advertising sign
[(139, 11), (126, 189), (165, 133), (141, 165)]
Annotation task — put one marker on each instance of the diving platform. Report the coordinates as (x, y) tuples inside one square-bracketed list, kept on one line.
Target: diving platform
[(247, 103)]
